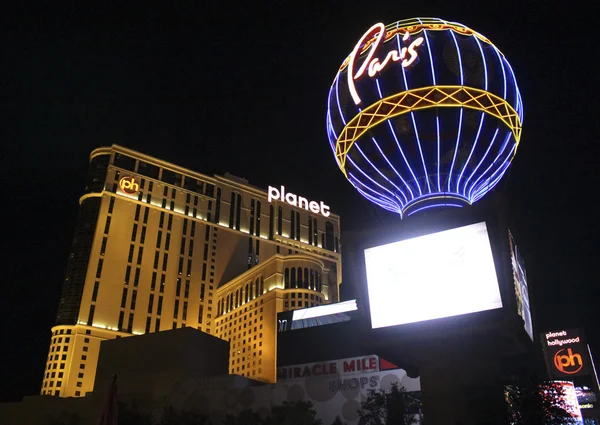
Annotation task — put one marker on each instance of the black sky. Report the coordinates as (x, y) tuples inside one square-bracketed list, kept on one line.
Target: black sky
[(224, 87)]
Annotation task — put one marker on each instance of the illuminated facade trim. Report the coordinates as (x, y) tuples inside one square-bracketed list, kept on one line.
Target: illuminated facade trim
[(425, 98), (154, 259)]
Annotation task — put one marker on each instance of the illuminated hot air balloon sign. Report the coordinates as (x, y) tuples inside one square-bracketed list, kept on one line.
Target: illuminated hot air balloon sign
[(424, 113)]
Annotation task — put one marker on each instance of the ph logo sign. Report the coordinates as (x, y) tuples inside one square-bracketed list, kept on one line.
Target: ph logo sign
[(129, 185), (568, 362)]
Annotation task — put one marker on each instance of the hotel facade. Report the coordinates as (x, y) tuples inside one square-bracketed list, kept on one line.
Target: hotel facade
[(158, 247)]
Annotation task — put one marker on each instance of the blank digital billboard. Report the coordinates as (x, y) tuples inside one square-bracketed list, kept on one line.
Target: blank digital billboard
[(433, 276)]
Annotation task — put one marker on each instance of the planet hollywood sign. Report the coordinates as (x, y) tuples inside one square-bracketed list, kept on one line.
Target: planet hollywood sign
[(275, 194)]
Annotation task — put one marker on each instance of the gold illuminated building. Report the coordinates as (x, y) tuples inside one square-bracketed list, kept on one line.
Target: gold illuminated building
[(158, 247)]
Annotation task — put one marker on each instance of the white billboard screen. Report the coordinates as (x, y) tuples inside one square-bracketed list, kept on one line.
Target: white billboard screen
[(433, 276)]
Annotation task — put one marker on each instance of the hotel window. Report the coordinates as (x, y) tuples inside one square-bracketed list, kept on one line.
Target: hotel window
[(165, 259), (157, 325), (178, 287), (171, 177), (174, 191), (150, 303), (124, 298), (189, 268), (193, 231), (165, 193), (257, 218), (148, 198), (107, 225), (124, 161), (137, 212), (182, 246), (91, 315), (187, 289), (99, 269), (148, 322), (140, 253), (153, 282), (95, 292), (252, 203), (191, 248), (111, 204), (143, 235), (127, 274), (185, 306), (161, 222), (168, 241), (329, 241), (238, 211), (271, 221), (130, 324), (120, 325), (159, 239), (103, 247), (136, 279), (170, 222), (180, 267), (218, 206), (231, 210), (159, 306), (146, 212), (162, 283), (286, 278), (176, 309), (134, 233), (130, 256), (133, 299)]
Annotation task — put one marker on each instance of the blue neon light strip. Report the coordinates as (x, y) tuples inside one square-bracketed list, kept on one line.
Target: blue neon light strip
[(373, 181), (480, 162), (418, 141), (433, 206), (484, 64), (395, 171), (494, 163), (494, 178), (384, 157), (460, 118), (430, 56), (471, 153), (380, 200), (380, 173)]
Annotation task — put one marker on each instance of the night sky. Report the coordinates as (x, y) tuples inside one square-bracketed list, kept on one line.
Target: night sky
[(241, 88)]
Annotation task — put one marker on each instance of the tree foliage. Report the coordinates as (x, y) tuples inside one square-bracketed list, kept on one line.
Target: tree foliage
[(394, 408), (541, 404)]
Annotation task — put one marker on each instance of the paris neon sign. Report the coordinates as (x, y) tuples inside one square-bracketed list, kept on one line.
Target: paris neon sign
[(373, 65)]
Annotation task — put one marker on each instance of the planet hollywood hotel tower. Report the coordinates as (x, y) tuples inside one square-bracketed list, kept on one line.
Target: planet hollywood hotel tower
[(158, 247)]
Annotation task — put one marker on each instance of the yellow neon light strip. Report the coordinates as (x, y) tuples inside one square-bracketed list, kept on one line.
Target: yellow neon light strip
[(425, 98)]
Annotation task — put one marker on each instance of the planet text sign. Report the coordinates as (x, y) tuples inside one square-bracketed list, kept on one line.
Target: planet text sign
[(275, 194), (566, 353)]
